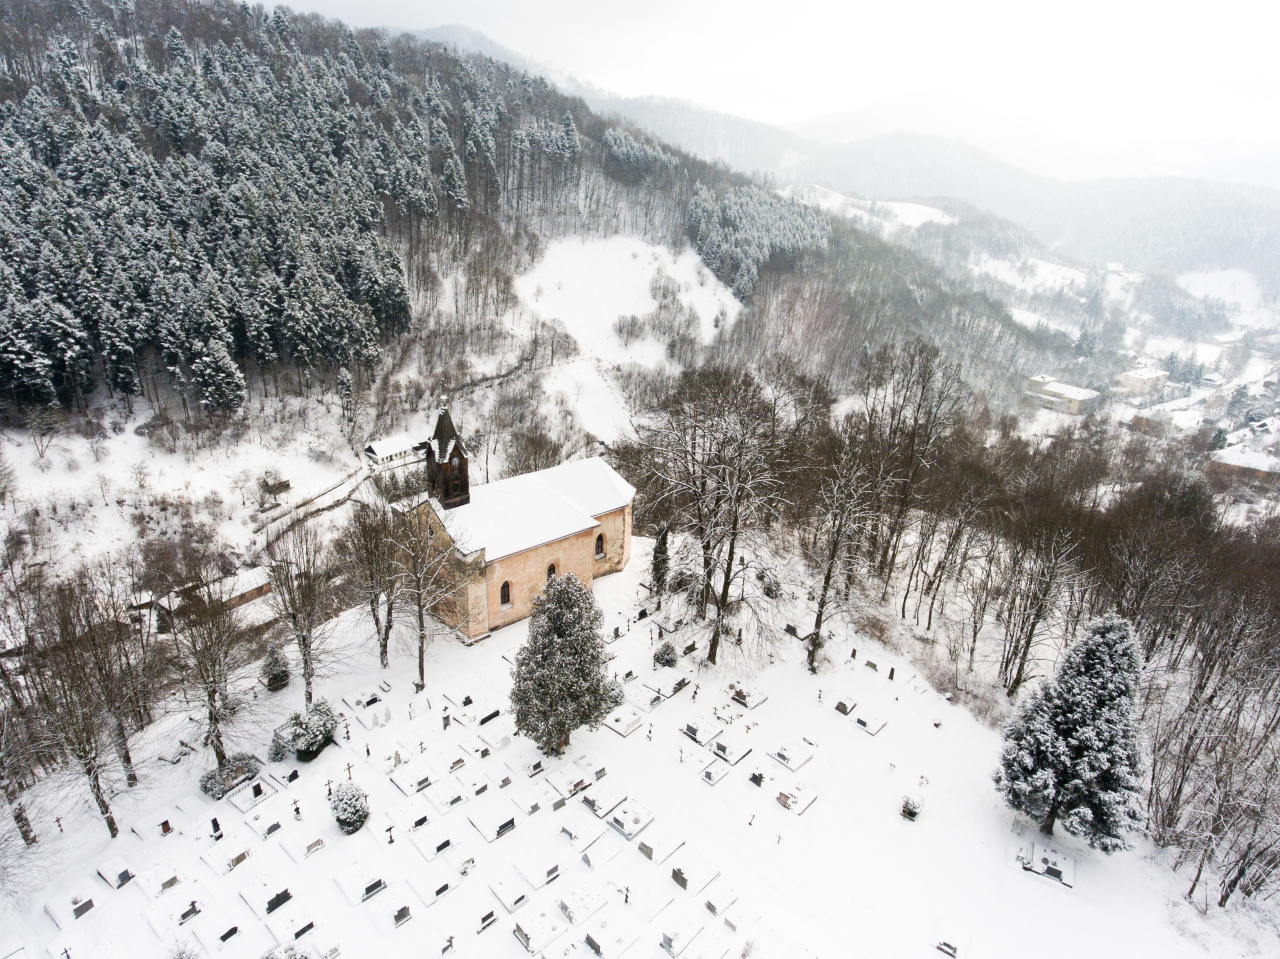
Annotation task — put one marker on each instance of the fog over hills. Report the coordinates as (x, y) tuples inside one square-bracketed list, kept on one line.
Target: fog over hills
[(1164, 224)]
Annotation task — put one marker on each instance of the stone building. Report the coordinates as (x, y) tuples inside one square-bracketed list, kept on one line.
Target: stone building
[(510, 536)]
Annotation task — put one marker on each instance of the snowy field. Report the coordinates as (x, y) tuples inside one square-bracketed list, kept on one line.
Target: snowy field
[(1238, 288), (846, 877), (587, 284)]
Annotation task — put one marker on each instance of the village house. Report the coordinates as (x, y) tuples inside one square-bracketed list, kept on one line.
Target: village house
[(1139, 382), (1046, 392), (511, 536)]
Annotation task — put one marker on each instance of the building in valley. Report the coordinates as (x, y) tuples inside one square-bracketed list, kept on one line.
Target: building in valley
[(510, 536), (1046, 392)]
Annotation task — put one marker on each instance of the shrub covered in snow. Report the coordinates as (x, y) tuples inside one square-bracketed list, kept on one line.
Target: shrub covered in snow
[(350, 806), (666, 655), (275, 670), (239, 766), (284, 952), (313, 731), (617, 695)]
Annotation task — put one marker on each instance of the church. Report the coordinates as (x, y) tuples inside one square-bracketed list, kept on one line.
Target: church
[(512, 535)]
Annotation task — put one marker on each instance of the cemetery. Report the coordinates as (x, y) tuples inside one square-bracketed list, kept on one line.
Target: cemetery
[(477, 844)]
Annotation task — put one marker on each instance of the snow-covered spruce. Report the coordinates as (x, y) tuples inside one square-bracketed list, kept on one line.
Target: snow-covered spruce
[(560, 679), (666, 655), (1071, 755), (275, 669), (660, 565), (350, 805)]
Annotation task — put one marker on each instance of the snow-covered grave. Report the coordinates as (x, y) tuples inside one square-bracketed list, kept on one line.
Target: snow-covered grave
[(603, 850), (434, 880), (434, 838), (281, 810), (612, 931), (168, 915), (579, 828), (583, 901), (729, 747), (539, 866), (537, 928), (604, 798), (227, 925), (870, 722), (160, 823), (412, 812), (591, 767), (475, 783), (658, 843), (115, 872), (367, 707), (249, 794), (512, 891), (630, 818), (719, 897), (701, 729), (846, 704), (569, 779), (745, 695), (741, 916), (413, 775), (301, 843), (666, 681), (74, 904), (447, 793), (159, 879), (791, 755), (497, 734), (714, 771), (1046, 860), (232, 850), (397, 905), (624, 720), (292, 922), (285, 776), (495, 819), (474, 906), (796, 796), (643, 698), (692, 869), (500, 775), (266, 892), (680, 926), (646, 893), (359, 880)]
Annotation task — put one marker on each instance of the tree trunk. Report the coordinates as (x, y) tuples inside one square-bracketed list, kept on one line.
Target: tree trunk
[(1046, 827), (122, 750), (384, 638), (308, 668), (422, 648), (215, 729), (99, 797)]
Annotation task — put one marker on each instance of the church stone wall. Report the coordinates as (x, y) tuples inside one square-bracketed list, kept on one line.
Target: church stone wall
[(616, 529), (527, 573)]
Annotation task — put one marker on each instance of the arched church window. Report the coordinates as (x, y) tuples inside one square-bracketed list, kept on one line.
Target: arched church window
[(600, 546), (551, 572), (506, 594)]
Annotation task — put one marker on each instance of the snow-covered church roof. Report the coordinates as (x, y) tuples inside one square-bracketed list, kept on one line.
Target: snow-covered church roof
[(517, 514)]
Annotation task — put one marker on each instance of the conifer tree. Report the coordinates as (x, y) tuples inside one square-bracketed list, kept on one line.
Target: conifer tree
[(1071, 755), (660, 564), (560, 679)]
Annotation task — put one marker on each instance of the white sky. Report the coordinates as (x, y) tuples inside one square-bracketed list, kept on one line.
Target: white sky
[(1107, 73)]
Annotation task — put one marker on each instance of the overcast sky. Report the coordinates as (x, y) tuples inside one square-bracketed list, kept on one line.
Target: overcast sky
[(1099, 72)]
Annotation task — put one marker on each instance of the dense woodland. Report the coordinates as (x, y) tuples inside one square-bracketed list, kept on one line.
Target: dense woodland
[(204, 202)]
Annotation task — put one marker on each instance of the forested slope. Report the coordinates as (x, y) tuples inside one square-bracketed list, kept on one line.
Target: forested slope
[(194, 195)]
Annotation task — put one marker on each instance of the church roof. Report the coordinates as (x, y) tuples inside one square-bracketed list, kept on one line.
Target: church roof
[(514, 515)]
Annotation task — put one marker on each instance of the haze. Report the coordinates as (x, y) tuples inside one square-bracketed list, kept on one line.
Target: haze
[(1111, 78)]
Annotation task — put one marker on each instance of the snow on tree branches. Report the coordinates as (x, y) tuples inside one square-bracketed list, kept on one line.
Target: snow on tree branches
[(1071, 756), (560, 679), (739, 231)]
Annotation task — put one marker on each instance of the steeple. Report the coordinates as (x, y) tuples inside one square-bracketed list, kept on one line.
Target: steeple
[(452, 485)]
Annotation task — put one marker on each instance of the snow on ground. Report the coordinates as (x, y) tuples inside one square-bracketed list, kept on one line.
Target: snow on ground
[(915, 215), (1038, 274), (587, 283), (1032, 320), (600, 406), (90, 504), (1238, 288), (848, 877)]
